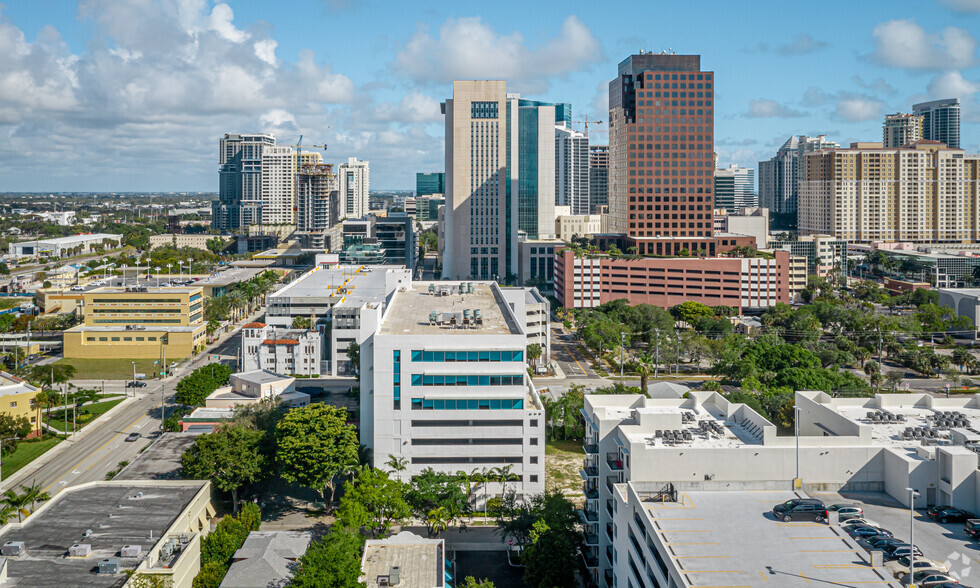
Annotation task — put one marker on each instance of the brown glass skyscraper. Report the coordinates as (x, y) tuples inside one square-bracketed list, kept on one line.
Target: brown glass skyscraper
[(661, 145)]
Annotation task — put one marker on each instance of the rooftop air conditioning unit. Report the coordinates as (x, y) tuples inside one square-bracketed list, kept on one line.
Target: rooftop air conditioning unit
[(80, 550), (109, 566), (131, 551), (12, 548)]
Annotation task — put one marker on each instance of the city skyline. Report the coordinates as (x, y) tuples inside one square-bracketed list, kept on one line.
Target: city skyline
[(121, 95)]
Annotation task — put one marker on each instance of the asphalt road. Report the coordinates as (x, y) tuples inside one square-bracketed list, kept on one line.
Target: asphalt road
[(564, 351)]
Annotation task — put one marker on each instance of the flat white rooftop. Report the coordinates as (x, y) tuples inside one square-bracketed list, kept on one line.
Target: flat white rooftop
[(730, 539), (412, 311)]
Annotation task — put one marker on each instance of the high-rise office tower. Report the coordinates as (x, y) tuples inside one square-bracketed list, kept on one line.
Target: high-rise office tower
[(481, 181), (661, 141), (572, 169), (598, 177), (923, 192), (940, 121), (901, 129), (427, 183), (278, 185), (240, 180), (779, 177), (735, 188), (536, 165), (354, 178)]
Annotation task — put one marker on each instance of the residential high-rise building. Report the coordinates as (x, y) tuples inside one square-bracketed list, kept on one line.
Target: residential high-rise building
[(481, 181), (354, 179), (779, 177), (598, 177), (940, 121), (317, 198), (278, 185), (901, 129), (661, 141), (427, 183), (923, 192), (240, 180), (572, 169), (536, 176), (735, 188)]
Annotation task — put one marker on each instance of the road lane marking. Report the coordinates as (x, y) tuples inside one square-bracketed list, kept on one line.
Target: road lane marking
[(98, 449)]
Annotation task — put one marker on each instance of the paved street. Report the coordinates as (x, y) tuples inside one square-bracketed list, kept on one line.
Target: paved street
[(572, 362)]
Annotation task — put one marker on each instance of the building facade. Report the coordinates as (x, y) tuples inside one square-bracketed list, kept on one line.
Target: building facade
[(240, 180), (428, 183), (740, 283), (749, 221), (901, 129), (923, 192), (355, 183), (378, 240), (278, 185), (824, 254), (65, 246), (317, 198), (572, 170), (537, 262), (568, 226), (536, 172), (598, 177), (444, 385), (779, 177), (735, 188), (281, 351), (18, 399), (940, 121)]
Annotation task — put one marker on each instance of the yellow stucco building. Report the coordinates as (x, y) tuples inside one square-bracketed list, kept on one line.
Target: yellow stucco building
[(138, 323), (18, 399)]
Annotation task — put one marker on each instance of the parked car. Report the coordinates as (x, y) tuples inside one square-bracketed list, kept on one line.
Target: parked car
[(132, 437), (948, 514), (898, 551), (900, 566), (972, 528), (928, 579), (879, 541), (800, 509), (857, 522), (865, 532), (135, 384), (154, 434), (845, 511)]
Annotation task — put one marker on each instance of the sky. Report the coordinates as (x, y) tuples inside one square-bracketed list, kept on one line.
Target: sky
[(113, 95)]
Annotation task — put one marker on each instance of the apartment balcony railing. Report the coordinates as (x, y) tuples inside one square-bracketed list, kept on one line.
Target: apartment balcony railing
[(591, 539), (590, 447), (589, 515), (590, 471), (591, 492), (614, 461)]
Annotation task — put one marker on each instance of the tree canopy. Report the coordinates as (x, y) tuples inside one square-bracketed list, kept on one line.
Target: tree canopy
[(315, 446)]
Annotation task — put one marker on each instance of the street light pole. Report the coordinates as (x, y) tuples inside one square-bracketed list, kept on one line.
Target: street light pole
[(796, 422), (913, 494)]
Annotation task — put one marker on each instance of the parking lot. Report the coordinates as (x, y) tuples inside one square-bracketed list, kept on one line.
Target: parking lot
[(941, 542)]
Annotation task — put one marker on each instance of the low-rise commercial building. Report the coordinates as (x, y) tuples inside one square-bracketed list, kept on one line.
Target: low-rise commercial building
[(98, 533), (181, 240), (267, 558), (965, 302), (824, 254), (405, 559), (378, 240), (741, 283), (19, 399), (568, 226), (444, 384), (536, 259), (282, 351), (752, 221), (138, 322), (243, 389), (65, 246)]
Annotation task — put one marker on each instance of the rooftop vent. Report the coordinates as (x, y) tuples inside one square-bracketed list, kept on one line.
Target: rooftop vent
[(12, 548), (80, 550), (109, 566)]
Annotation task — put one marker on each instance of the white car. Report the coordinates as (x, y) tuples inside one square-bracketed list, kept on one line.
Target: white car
[(78, 288), (900, 567), (859, 522)]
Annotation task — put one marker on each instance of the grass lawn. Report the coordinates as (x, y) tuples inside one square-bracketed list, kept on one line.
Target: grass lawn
[(108, 369), (96, 409), (562, 462), (26, 452)]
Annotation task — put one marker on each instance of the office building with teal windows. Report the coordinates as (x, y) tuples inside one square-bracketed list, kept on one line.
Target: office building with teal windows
[(428, 183), (536, 183), (444, 384)]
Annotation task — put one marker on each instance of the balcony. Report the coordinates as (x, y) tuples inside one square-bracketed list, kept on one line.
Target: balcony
[(590, 447), (609, 507), (609, 531), (610, 480), (608, 576), (591, 558), (592, 492), (609, 555), (614, 461), (590, 471), (589, 515), (591, 539)]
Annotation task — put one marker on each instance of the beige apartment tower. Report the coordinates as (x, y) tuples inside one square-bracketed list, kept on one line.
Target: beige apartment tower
[(901, 129), (923, 192)]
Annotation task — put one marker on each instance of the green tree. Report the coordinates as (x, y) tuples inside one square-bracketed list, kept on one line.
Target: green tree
[(315, 444), (534, 353), (354, 356), (432, 489), (332, 562), (34, 494), (195, 387), (212, 327), (301, 322), (210, 576), (18, 502), (471, 582), (437, 520), (547, 527), (230, 457), (373, 500), (151, 581), (691, 311)]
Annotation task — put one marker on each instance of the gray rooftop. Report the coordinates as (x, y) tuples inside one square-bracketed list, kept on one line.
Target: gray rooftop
[(230, 276), (259, 377), (350, 285), (420, 560), (113, 514), (410, 310), (266, 559), (726, 537), (148, 328), (160, 461)]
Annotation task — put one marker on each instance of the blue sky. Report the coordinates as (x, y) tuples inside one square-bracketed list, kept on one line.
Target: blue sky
[(132, 96)]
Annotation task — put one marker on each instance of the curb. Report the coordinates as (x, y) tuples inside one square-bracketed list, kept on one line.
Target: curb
[(44, 458)]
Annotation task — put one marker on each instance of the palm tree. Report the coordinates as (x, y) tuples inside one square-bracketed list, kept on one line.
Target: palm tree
[(505, 475), (534, 353), (485, 476), (7, 512), (18, 502), (468, 480), (437, 520), (397, 463), (34, 493), (644, 365)]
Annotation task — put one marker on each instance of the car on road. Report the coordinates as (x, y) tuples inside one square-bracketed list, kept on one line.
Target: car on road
[(135, 384), (800, 509), (132, 437), (845, 511), (928, 579), (78, 288), (900, 566), (948, 514)]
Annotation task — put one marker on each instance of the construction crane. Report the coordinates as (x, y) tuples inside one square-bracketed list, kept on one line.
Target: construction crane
[(588, 122), (299, 149)]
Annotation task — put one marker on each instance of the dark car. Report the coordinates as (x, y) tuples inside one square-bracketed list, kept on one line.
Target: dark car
[(948, 514), (132, 437), (154, 434), (800, 509), (972, 528), (135, 384), (895, 551), (865, 532), (879, 542)]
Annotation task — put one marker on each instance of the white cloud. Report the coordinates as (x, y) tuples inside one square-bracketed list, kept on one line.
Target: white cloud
[(952, 85), (963, 5), (467, 48), (266, 51), (858, 109), (221, 21), (905, 44), (766, 108), (800, 45)]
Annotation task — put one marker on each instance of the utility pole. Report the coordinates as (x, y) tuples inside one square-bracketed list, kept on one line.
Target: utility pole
[(64, 408)]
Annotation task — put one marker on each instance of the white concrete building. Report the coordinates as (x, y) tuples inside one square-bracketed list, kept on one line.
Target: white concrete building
[(355, 183), (673, 447), (534, 312), (444, 384), (278, 185), (281, 351), (752, 221), (577, 225), (64, 246), (572, 170)]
